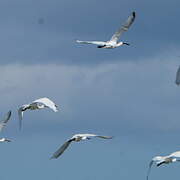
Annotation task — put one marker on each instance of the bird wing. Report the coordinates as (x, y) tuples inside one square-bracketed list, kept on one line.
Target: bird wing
[(105, 137), (20, 114), (93, 135), (149, 169), (61, 150), (178, 77), (100, 43), (124, 27), (175, 154), (47, 102), (5, 120)]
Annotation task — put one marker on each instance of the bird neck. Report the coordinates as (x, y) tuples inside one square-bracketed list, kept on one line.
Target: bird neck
[(25, 107), (41, 106), (2, 139)]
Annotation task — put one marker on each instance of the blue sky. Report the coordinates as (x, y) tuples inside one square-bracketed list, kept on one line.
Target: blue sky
[(128, 92)]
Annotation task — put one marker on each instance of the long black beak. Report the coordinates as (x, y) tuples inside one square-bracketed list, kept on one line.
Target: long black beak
[(126, 43), (8, 140)]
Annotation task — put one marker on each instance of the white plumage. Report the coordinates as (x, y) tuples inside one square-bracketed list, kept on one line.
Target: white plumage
[(76, 138), (47, 103), (113, 42), (37, 104), (3, 123), (159, 160)]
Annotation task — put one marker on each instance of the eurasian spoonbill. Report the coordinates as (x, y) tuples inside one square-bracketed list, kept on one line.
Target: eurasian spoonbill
[(159, 160), (37, 104), (76, 138), (113, 42)]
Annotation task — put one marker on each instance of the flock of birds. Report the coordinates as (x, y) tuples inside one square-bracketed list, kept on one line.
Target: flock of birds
[(47, 103)]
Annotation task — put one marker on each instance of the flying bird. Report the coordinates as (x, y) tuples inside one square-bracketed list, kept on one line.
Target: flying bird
[(37, 104), (76, 138), (113, 42), (178, 77), (159, 160), (3, 123)]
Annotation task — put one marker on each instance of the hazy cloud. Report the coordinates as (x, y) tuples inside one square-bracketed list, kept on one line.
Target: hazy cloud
[(127, 94)]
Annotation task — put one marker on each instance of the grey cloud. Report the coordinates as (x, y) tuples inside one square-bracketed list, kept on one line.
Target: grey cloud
[(127, 92), (125, 95)]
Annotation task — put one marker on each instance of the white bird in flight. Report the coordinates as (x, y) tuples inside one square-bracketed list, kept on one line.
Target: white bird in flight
[(113, 42), (159, 160), (178, 77), (37, 104), (3, 123), (76, 138)]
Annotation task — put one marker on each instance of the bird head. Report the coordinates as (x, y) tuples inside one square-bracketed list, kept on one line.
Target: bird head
[(56, 108), (25, 107), (120, 44), (6, 140), (125, 43)]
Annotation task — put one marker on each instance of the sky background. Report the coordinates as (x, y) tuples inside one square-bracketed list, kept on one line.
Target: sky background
[(127, 92)]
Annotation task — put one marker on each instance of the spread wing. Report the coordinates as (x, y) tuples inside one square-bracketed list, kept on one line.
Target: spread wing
[(178, 77), (175, 154), (105, 137), (99, 43), (94, 135), (47, 102), (20, 114), (149, 169), (5, 120), (124, 27), (61, 149)]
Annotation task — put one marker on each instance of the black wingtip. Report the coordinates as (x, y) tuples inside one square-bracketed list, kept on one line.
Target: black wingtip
[(9, 112), (134, 14), (52, 157)]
